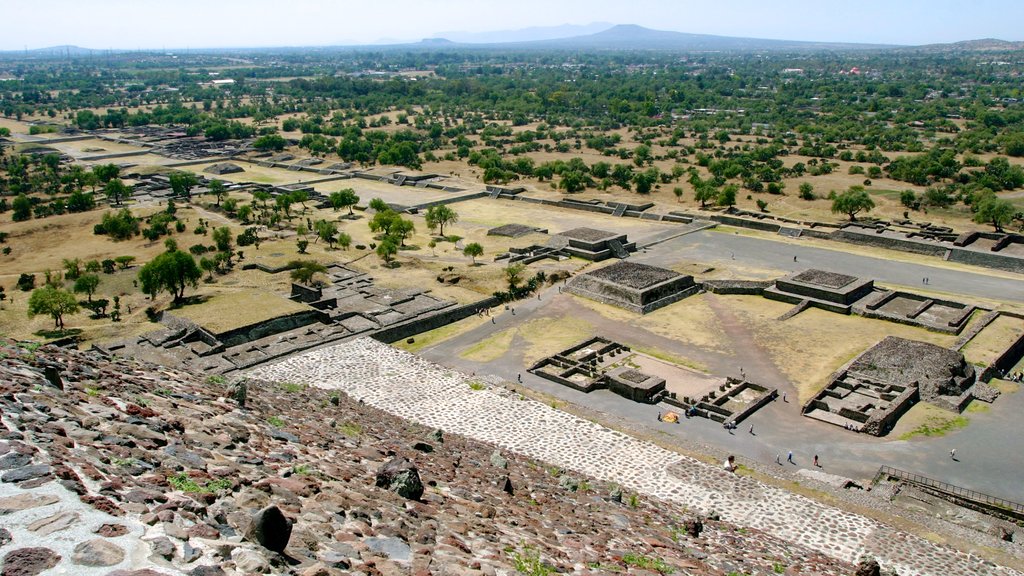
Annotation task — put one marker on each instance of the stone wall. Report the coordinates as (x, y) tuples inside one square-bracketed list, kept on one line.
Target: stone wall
[(742, 287), (426, 323), (272, 326), (888, 242), (987, 260)]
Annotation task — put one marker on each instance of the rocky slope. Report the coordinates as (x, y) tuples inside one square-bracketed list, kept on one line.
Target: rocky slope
[(119, 467)]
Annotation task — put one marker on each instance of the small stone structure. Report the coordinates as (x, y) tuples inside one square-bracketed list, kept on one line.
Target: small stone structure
[(223, 168), (828, 290), (907, 308), (635, 287), (592, 365), (515, 230), (881, 384), (734, 401), (597, 245)]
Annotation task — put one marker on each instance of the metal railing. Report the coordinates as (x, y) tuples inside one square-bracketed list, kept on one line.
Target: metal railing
[(1011, 507)]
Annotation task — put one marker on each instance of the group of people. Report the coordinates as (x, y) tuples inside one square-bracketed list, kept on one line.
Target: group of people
[(1015, 376)]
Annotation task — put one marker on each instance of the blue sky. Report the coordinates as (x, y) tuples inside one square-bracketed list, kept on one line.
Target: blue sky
[(217, 23)]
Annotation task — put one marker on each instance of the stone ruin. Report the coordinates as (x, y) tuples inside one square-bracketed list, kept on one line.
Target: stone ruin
[(597, 245), (635, 287), (592, 365), (223, 168), (733, 401), (828, 290), (881, 384), (350, 305), (515, 230)]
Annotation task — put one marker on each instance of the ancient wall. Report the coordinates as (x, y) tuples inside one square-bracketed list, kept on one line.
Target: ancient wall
[(426, 323)]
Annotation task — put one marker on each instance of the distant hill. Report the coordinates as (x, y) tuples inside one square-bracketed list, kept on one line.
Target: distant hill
[(532, 34), (633, 37), (980, 45)]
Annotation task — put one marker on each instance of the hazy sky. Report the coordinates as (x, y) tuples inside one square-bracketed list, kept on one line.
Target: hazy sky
[(217, 23)]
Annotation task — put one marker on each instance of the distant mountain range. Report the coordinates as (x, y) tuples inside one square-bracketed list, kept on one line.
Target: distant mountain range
[(533, 34), (591, 37)]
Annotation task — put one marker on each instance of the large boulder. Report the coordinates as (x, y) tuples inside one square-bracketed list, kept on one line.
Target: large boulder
[(868, 566), (270, 528), (401, 476)]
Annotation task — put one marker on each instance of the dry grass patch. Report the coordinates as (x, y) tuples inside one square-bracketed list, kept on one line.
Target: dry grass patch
[(810, 346), (225, 311), (993, 340), (690, 321), (442, 334), (927, 420), (491, 348)]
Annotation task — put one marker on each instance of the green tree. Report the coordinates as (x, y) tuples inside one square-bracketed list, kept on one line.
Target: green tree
[(21, 207), (52, 301), (72, 268), (342, 198), (172, 271), (208, 265), (473, 249), (222, 239), (116, 190), (642, 155), (379, 205), (182, 183), (303, 271), (270, 142), (727, 195), (87, 284), (993, 210), (302, 244), (806, 191), (852, 202), (438, 216), (218, 190), (106, 172), (386, 250), (326, 231)]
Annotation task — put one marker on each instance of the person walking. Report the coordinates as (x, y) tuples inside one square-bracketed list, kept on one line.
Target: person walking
[(778, 459), (751, 429), (789, 458), (952, 453), (816, 465)]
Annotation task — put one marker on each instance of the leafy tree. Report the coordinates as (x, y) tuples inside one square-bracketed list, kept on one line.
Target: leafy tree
[(473, 250), (182, 183), (87, 284), (342, 198), (270, 142), (727, 196), (72, 268), (218, 190), (806, 191), (438, 216), (678, 192), (990, 209), (386, 250), (304, 270), (852, 202), (26, 282), (208, 265), (108, 265), (172, 271), (379, 205), (222, 239), (326, 231), (52, 301), (22, 208), (642, 155), (344, 240), (116, 190), (124, 261), (302, 244), (106, 172)]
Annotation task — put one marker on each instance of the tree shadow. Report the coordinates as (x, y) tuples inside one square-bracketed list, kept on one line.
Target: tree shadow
[(59, 334)]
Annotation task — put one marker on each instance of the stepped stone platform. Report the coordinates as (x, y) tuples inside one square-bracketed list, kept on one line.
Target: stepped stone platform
[(829, 290), (597, 245), (635, 287), (885, 381), (598, 363)]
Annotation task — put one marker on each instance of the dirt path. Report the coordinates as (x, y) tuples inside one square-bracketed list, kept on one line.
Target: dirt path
[(754, 360)]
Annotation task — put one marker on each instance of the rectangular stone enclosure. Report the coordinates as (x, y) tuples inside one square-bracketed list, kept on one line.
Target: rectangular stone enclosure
[(635, 287), (825, 286)]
